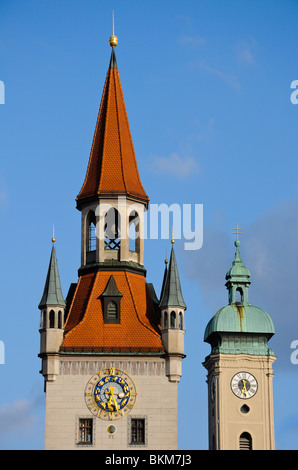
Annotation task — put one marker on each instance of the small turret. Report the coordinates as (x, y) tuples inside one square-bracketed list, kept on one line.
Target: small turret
[(52, 306), (172, 308)]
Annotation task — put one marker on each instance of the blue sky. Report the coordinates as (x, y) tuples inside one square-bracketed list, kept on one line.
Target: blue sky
[(207, 91)]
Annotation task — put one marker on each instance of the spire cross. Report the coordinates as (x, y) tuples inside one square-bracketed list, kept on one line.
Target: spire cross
[(238, 231)]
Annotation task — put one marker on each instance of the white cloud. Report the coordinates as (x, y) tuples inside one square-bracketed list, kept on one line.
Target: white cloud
[(18, 416), (194, 41), (175, 165), (228, 78), (246, 52)]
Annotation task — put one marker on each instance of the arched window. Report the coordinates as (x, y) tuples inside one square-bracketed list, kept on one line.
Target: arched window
[(245, 441), (112, 230), (133, 231), (165, 320), (239, 295), (112, 310), (60, 319), (52, 319), (91, 233), (173, 320), (44, 319), (181, 325), (92, 236)]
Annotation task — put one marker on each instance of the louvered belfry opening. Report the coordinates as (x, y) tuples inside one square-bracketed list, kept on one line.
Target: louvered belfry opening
[(245, 441)]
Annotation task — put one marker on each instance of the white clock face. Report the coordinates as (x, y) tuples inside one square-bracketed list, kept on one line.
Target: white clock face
[(244, 385)]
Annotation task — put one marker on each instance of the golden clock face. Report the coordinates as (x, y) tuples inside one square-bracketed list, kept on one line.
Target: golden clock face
[(110, 394), (244, 385)]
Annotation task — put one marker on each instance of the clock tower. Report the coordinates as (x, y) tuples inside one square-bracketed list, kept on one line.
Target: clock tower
[(111, 362), (240, 399)]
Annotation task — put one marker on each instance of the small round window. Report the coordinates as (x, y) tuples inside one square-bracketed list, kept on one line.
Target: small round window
[(244, 409)]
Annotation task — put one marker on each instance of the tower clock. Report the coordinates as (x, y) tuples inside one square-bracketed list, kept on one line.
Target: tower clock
[(240, 399)]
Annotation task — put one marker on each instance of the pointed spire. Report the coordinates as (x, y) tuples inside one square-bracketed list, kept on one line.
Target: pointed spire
[(113, 61), (164, 278), (112, 168), (52, 294), (172, 294)]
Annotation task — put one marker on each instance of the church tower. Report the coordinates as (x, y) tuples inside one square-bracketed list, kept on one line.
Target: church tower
[(240, 398), (112, 365)]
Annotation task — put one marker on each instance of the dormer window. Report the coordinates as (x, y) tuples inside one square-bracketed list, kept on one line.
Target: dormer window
[(112, 310), (111, 298)]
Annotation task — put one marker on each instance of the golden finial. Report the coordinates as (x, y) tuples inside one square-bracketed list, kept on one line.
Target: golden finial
[(238, 231), (166, 259), (113, 41), (172, 241), (53, 238)]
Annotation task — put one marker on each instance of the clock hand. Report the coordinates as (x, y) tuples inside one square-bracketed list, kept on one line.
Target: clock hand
[(115, 401), (112, 397), (244, 391)]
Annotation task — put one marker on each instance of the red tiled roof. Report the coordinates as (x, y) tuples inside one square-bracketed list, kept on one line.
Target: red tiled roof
[(112, 168), (139, 329)]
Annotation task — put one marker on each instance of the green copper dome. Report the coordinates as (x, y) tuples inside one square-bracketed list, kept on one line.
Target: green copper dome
[(240, 318), (239, 327), (237, 270)]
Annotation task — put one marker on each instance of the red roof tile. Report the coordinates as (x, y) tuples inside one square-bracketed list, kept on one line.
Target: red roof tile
[(112, 168), (139, 329)]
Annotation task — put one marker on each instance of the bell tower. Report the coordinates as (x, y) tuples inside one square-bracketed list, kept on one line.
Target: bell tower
[(115, 373), (240, 398)]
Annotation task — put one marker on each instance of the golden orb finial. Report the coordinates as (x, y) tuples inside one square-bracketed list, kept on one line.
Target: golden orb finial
[(53, 237), (172, 241), (113, 41)]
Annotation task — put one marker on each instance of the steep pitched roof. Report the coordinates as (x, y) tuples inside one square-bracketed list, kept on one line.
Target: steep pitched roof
[(112, 168), (171, 291), (139, 329), (52, 294)]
